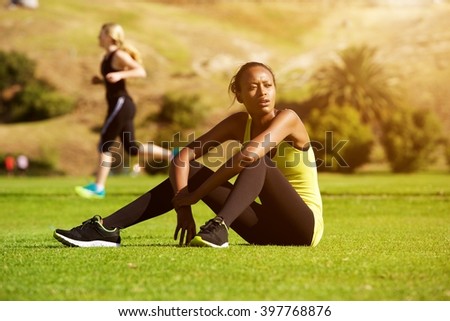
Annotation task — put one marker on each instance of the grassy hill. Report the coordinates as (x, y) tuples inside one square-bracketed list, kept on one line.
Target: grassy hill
[(195, 46)]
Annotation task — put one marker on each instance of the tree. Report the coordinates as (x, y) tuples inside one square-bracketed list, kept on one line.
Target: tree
[(410, 138), (341, 142), (354, 78)]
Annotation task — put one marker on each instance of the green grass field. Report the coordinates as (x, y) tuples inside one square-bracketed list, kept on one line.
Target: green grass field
[(386, 238)]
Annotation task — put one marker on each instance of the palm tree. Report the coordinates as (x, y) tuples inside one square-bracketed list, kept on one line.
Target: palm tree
[(354, 78)]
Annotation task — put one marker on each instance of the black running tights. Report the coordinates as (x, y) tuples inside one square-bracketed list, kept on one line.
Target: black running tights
[(281, 217)]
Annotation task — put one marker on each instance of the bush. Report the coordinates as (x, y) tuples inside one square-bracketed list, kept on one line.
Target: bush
[(37, 102), (179, 116), (25, 98), (15, 69), (341, 142), (410, 138), (184, 111)]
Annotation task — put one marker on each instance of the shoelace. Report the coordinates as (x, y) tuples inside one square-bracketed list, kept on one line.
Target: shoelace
[(211, 224), (92, 220)]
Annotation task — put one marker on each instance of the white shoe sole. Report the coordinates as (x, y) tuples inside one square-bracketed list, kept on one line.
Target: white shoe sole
[(197, 241), (97, 243)]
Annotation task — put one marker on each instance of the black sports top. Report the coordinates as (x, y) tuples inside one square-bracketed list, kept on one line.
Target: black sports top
[(113, 90)]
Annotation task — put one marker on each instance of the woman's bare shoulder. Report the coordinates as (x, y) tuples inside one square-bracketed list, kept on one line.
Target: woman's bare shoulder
[(287, 112), (236, 119), (299, 135)]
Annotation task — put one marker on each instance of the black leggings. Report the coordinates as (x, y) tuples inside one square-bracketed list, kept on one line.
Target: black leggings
[(281, 217), (119, 123)]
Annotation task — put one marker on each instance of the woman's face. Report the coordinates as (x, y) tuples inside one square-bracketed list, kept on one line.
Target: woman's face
[(104, 39), (257, 90)]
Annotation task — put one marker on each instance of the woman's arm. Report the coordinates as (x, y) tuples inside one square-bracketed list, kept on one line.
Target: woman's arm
[(179, 172), (230, 128), (129, 68), (97, 80), (282, 126)]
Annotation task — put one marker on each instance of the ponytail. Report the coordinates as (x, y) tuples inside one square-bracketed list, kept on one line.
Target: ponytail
[(117, 34)]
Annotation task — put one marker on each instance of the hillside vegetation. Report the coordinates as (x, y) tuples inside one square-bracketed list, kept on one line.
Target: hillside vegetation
[(194, 47)]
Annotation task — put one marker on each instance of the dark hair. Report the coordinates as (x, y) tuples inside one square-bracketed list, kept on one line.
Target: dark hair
[(234, 85)]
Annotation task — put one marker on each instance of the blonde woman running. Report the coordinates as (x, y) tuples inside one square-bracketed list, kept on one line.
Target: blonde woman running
[(121, 61)]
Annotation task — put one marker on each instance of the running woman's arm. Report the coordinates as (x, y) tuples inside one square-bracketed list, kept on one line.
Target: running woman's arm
[(127, 66), (96, 80)]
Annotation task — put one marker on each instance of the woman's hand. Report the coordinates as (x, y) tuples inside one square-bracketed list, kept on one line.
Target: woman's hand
[(184, 198), (185, 223), (96, 80), (113, 77)]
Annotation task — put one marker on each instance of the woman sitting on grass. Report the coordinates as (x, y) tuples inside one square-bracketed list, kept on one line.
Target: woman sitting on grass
[(276, 164)]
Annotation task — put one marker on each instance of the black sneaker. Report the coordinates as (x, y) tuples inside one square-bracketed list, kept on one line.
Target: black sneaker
[(213, 234), (89, 234)]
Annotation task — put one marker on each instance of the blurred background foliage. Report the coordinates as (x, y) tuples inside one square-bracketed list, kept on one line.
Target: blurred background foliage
[(24, 97), (376, 93)]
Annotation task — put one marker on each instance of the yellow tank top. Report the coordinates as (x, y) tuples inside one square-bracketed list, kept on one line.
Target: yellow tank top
[(299, 168)]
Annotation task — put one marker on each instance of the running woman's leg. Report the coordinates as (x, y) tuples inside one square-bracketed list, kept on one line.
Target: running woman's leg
[(112, 128)]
